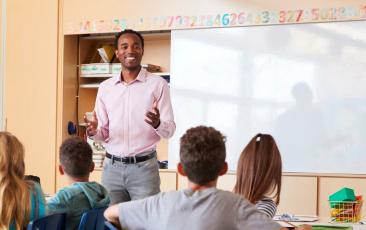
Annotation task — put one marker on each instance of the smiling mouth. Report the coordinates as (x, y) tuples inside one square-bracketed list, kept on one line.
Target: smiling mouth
[(130, 58)]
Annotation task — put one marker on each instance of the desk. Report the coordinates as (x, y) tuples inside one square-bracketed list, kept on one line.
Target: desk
[(325, 221)]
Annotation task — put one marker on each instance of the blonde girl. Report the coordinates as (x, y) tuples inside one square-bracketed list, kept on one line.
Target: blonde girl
[(20, 201)]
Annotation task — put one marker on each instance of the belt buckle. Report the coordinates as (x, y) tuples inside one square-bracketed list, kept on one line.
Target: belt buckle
[(130, 161)]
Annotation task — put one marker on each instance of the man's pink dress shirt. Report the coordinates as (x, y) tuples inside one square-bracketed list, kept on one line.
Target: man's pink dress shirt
[(121, 109)]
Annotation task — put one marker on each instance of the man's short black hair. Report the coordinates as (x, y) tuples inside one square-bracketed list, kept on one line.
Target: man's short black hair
[(202, 154), (127, 31), (76, 157)]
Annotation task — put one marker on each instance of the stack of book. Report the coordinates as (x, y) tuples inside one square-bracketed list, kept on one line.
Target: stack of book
[(98, 159), (98, 152)]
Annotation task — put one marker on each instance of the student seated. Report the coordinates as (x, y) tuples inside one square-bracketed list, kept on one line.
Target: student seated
[(202, 205), (21, 201), (259, 174), (81, 195)]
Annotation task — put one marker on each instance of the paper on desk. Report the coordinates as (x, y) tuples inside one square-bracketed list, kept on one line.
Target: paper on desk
[(296, 218)]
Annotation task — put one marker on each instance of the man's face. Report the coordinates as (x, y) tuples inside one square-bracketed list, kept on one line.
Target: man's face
[(129, 51)]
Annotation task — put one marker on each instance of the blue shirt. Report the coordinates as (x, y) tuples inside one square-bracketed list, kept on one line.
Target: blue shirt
[(76, 199)]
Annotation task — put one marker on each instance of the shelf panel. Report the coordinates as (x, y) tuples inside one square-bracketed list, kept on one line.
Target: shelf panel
[(111, 75), (162, 73), (96, 85), (156, 35), (104, 75), (90, 86)]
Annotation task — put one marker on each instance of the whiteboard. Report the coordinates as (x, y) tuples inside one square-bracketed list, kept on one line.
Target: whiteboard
[(303, 83)]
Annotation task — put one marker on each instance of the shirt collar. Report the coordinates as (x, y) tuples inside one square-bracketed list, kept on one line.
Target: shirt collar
[(140, 77)]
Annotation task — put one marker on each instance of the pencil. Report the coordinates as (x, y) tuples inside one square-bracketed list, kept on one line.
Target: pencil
[(289, 223)]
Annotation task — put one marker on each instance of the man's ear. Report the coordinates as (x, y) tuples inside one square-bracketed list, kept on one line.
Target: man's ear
[(181, 170), (223, 171), (92, 166), (61, 169)]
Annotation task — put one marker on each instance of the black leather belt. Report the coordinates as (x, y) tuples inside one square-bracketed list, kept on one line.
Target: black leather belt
[(131, 160)]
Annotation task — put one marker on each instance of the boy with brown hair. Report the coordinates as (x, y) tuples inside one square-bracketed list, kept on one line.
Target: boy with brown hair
[(81, 195)]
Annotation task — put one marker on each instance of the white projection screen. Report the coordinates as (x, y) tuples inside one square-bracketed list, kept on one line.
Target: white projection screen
[(305, 84)]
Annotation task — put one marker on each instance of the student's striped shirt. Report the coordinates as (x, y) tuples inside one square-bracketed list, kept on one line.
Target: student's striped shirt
[(267, 206)]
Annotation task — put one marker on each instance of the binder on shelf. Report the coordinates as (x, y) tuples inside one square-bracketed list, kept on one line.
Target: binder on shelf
[(106, 52), (116, 68), (95, 68)]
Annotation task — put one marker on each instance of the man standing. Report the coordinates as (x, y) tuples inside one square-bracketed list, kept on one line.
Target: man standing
[(132, 112)]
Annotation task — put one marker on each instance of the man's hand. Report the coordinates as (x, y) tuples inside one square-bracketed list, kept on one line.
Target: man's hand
[(91, 125), (153, 116)]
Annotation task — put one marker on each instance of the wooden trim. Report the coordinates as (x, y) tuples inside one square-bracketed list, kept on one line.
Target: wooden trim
[(317, 195), (148, 35), (337, 175), (59, 69), (318, 175)]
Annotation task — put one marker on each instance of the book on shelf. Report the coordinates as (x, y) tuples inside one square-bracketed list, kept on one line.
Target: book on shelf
[(95, 68), (151, 67), (106, 52)]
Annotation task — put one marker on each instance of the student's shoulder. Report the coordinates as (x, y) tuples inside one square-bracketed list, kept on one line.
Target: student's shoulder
[(231, 197), (34, 186), (160, 199), (69, 192), (165, 196), (95, 186)]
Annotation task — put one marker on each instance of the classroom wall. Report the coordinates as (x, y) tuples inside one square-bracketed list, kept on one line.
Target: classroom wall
[(35, 54), (111, 9), (302, 193), (30, 79), (2, 50)]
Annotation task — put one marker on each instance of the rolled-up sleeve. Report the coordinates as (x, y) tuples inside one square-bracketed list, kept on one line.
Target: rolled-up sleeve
[(166, 128), (102, 116)]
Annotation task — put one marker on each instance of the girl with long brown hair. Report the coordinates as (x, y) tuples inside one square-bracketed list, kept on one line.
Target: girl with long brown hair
[(21, 201), (259, 174)]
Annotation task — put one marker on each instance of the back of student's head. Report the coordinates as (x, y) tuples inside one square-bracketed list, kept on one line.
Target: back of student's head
[(14, 191), (259, 169), (202, 154), (76, 157)]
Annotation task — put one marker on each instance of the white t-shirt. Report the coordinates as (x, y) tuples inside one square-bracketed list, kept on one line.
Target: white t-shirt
[(193, 210)]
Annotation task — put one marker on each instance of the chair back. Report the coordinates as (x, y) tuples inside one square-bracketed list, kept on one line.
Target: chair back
[(92, 219), (109, 226), (54, 221)]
